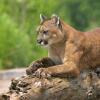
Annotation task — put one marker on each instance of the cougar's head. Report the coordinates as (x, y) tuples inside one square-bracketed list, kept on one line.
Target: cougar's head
[(49, 31)]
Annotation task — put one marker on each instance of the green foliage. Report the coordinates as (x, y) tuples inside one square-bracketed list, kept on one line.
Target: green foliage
[(19, 19), (15, 47)]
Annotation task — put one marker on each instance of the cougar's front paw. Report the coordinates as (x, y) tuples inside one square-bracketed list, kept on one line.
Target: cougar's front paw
[(42, 73), (32, 68)]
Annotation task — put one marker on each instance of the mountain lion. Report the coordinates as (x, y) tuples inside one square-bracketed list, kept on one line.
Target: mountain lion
[(69, 50)]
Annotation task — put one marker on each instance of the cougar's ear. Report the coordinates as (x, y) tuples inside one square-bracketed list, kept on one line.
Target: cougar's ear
[(42, 18), (55, 19)]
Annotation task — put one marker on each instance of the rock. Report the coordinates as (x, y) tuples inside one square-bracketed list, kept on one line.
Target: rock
[(85, 87)]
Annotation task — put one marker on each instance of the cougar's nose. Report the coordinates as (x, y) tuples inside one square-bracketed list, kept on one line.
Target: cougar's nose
[(39, 41)]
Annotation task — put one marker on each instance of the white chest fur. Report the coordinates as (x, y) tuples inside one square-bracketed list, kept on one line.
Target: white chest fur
[(56, 54)]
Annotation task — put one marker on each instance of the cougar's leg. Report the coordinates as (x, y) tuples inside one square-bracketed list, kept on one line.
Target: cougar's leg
[(42, 63)]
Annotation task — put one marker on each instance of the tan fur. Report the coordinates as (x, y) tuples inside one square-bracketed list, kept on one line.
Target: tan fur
[(70, 49)]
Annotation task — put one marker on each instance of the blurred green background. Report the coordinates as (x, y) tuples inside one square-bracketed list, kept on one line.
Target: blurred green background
[(19, 18)]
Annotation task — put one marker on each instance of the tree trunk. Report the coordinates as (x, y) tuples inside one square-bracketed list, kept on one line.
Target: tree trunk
[(85, 87)]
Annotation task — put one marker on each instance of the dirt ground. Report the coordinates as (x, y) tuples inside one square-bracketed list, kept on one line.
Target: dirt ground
[(4, 85), (7, 75)]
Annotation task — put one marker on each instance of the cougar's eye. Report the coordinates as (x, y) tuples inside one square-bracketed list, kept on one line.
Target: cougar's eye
[(45, 32)]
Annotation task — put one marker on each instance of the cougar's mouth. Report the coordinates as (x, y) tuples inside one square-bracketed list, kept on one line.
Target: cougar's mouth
[(42, 42)]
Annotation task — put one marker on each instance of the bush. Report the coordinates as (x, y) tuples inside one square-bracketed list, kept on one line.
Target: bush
[(15, 46)]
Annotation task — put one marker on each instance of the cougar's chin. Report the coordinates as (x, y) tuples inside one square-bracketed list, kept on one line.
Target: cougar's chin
[(44, 43)]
